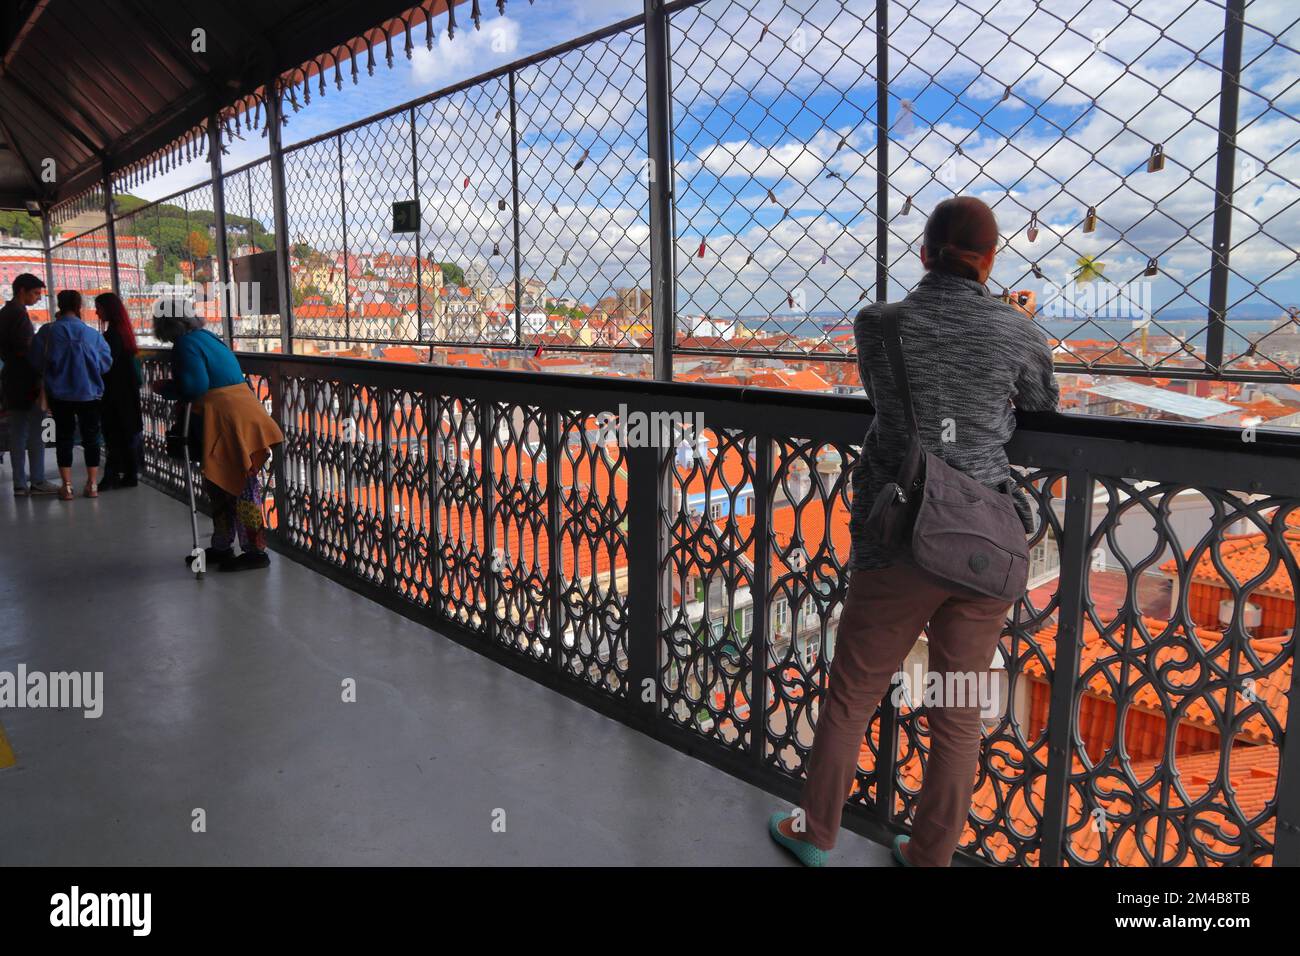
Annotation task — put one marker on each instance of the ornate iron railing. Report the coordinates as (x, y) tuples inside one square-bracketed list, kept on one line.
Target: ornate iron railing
[(1148, 667)]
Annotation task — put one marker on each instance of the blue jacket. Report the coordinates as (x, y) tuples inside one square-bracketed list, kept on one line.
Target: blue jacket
[(200, 361), (73, 358)]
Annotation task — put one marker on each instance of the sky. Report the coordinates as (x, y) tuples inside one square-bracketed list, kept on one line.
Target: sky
[(1042, 110)]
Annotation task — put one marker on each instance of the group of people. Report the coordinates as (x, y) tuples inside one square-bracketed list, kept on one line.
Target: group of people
[(974, 360), (87, 379)]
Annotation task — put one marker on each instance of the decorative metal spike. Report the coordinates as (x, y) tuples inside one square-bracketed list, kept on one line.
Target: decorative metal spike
[(1090, 220), (1156, 161), (388, 50), (476, 15), (353, 60), (306, 91), (409, 45), (338, 75), (501, 7), (907, 206), (370, 58), (1152, 269), (1032, 232)]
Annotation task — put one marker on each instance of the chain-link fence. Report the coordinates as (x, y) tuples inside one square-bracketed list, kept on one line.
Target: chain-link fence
[(82, 263), (812, 139), (22, 251), (250, 231), (1140, 159)]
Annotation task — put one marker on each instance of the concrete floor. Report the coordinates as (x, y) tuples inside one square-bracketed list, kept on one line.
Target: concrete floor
[(225, 695)]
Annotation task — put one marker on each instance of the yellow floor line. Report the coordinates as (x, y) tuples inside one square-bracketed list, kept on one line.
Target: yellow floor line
[(7, 758)]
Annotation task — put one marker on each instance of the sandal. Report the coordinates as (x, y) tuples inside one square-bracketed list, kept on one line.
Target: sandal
[(92, 490), (65, 491)]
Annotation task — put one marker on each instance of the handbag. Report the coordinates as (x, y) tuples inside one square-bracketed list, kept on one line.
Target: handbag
[(178, 439), (963, 532)]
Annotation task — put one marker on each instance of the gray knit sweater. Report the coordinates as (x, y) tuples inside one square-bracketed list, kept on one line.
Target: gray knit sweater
[(969, 357)]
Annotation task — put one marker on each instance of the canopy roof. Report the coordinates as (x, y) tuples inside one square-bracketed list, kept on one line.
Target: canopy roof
[(86, 83)]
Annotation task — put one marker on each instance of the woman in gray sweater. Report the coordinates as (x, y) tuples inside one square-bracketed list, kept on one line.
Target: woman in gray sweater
[(971, 361)]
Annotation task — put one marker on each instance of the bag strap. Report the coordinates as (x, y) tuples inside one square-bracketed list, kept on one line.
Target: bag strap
[(893, 340)]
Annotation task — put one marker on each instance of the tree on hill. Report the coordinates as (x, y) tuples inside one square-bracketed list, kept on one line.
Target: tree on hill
[(452, 274)]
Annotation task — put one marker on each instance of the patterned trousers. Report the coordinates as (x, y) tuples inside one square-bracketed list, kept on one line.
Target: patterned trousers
[(238, 515)]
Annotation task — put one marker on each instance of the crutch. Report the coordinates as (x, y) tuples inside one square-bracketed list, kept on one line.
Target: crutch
[(197, 553)]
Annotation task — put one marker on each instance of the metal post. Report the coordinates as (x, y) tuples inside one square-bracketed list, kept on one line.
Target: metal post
[(110, 231), (644, 594), (1069, 641), (489, 565), (274, 110), (882, 152), (385, 492), (514, 213), (1286, 839), (554, 437), (219, 223), (419, 253), (49, 264), (1224, 182), (658, 84), (758, 592), (343, 214), (275, 380)]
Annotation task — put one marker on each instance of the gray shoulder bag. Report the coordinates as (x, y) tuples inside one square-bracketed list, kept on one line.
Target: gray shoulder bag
[(964, 532)]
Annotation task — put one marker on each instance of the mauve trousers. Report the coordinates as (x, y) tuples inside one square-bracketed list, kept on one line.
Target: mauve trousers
[(884, 613)]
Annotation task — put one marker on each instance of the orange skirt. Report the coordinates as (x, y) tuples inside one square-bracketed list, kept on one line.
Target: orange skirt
[(238, 435)]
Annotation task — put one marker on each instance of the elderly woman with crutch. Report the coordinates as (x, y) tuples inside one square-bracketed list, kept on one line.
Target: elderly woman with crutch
[(237, 434)]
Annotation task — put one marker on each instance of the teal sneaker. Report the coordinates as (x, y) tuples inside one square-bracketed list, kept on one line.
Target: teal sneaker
[(899, 841), (804, 852)]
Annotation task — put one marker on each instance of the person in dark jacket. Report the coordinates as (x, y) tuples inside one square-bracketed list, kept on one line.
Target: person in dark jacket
[(20, 389), (971, 361), (73, 358), (120, 406)]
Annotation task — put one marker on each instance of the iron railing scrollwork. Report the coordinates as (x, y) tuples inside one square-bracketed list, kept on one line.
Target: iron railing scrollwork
[(693, 589)]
